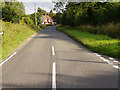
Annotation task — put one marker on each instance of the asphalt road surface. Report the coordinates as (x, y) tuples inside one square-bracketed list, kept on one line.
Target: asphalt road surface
[(74, 66)]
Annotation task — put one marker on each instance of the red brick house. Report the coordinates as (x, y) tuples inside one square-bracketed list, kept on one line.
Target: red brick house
[(46, 19)]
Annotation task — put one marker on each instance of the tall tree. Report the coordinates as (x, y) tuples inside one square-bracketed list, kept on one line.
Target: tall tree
[(94, 13), (14, 9)]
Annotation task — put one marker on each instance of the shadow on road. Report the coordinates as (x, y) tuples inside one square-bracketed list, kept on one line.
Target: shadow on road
[(83, 61)]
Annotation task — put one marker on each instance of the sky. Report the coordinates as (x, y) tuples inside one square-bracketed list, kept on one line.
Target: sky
[(46, 5)]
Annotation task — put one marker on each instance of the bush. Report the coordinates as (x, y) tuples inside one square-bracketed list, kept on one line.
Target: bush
[(9, 14), (111, 29), (26, 20)]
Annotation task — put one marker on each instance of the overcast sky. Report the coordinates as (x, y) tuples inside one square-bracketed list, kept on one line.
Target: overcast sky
[(46, 5)]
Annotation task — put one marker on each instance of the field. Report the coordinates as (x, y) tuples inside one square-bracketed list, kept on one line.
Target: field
[(95, 42)]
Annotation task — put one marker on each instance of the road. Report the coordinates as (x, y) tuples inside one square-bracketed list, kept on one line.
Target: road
[(75, 66)]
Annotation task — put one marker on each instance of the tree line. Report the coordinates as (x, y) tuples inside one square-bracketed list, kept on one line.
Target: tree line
[(14, 11), (92, 13)]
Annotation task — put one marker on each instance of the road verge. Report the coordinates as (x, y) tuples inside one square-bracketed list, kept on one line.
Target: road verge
[(106, 47)]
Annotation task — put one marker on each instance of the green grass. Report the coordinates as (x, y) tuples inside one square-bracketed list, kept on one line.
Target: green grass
[(98, 43), (14, 35), (110, 29)]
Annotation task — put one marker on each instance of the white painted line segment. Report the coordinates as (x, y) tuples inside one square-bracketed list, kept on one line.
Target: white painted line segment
[(115, 61), (98, 55), (115, 66), (111, 58), (53, 51), (101, 58), (109, 62), (95, 53), (54, 76), (7, 58), (106, 60)]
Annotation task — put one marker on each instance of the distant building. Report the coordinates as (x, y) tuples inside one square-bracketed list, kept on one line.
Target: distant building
[(46, 19)]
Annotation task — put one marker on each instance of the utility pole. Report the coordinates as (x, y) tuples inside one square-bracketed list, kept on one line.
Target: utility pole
[(35, 15)]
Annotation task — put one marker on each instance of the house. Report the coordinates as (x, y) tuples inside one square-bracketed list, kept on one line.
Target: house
[(46, 19)]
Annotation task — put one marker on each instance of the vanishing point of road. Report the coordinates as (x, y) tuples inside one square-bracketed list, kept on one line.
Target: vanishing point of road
[(53, 60)]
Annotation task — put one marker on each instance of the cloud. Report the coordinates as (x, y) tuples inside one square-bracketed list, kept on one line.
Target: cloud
[(29, 6), (35, 0)]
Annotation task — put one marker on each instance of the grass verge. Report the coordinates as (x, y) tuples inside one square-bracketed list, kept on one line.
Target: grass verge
[(110, 29), (97, 43), (14, 35)]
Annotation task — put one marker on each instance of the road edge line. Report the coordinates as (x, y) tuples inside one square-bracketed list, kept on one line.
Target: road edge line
[(4, 61)]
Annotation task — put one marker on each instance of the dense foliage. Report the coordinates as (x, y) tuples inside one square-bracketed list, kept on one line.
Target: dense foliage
[(27, 20), (12, 11), (94, 13), (9, 14), (94, 17), (52, 14)]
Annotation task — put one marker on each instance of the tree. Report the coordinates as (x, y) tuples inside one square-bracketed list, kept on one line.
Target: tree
[(59, 5), (27, 20), (18, 6), (58, 17), (52, 14), (12, 10), (41, 11), (10, 14), (93, 13)]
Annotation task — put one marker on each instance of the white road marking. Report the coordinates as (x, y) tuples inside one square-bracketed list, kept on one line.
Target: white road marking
[(111, 58), (115, 61), (95, 53), (109, 62), (7, 58), (115, 66), (54, 76), (53, 51), (106, 60), (98, 55), (103, 59)]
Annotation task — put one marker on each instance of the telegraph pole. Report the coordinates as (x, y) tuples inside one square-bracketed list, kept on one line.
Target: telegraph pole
[(35, 15)]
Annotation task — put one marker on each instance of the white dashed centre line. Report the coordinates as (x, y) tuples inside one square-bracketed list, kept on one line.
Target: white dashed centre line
[(54, 76), (53, 51)]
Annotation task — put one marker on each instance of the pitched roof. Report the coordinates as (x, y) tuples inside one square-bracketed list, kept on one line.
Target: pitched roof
[(43, 16), (46, 17)]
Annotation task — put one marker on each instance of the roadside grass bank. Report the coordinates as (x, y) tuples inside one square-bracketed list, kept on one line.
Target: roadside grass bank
[(110, 29), (97, 43), (15, 34)]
